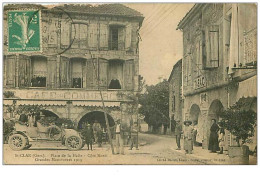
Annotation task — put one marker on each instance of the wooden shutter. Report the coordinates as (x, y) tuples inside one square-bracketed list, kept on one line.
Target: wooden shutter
[(75, 35), (24, 71), (65, 34), (103, 39), (103, 68), (51, 72), (92, 35), (212, 46), (128, 37), (128, 73), (121, 38), (65, 78), (83, 35), (91, 75)]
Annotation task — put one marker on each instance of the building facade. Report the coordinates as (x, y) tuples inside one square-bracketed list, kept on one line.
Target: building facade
[(175, 94), (219, 61), (84, 48)]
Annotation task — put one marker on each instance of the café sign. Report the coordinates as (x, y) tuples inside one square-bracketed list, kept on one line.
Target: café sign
[(65, 95)]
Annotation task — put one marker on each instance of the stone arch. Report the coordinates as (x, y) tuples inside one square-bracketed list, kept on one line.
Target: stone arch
[(91, 116), (215, 108), (196, 116), (49, 112)]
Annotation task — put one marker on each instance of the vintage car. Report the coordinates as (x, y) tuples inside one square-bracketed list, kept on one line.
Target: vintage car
[(24, 135)]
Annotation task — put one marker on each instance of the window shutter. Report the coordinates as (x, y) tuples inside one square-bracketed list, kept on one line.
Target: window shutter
[(91, 76), (93, 35), (103, 67), (83, 35), (212, 44), (65, 34), (75, 35), (103, 36), (51, 72), (10, 70), (65, 72), (121, 38), (24, 71), (128, 75), (128, 37)]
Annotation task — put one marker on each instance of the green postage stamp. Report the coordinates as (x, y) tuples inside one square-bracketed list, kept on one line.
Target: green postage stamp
[(24, 31)]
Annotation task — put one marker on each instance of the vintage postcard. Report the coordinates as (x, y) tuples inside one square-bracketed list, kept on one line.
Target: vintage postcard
[(136, 83)]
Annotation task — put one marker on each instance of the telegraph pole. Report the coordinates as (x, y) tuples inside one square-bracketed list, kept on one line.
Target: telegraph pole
[(103, 105)]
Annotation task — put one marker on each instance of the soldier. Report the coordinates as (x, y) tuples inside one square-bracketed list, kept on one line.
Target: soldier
[(88, 135), (133, 136)]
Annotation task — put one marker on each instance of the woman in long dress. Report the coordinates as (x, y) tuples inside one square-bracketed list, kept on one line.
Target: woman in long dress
[(188, 137), (213, 138)]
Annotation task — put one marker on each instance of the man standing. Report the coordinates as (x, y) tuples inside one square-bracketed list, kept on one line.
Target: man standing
[(96, 127), (178, 132), (88, 134), (119, 138), (133, 136), (213, 138)]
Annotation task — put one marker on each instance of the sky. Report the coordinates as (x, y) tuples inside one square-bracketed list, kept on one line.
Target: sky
[(161, 45)]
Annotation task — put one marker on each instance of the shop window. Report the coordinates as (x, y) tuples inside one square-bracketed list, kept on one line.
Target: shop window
[(116, 38), (39, 71), (115, 74), (79, 34)]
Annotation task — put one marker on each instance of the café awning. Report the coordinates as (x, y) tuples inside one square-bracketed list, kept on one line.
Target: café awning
[(95, 103), (247, 88), (42, 102)]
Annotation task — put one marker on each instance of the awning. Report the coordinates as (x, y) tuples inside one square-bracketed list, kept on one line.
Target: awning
[(43, 103), (247, 88), (96, 104), (8, 102)]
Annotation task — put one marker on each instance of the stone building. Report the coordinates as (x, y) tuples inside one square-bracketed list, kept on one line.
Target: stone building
[(81, 45), (219, 61), (175, 94)]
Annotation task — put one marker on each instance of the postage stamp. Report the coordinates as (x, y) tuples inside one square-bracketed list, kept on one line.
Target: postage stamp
[(24, 31)]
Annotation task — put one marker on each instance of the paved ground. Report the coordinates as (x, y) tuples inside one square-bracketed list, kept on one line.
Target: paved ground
[(154, 149)]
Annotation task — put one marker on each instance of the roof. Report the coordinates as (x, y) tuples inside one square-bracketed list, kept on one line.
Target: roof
[(189, 15), (173, 68), (19, 6), (102, 9)]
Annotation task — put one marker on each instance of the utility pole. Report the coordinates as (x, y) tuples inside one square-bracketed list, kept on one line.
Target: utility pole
[(103, 104)]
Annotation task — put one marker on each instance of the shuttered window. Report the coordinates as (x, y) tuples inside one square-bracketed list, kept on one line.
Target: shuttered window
[(212, 47), (65, 76), (93, 32), (65, 34), (103, 38), (79, 34), (117, 38), (128, 37), (128, 75), (39, 71)]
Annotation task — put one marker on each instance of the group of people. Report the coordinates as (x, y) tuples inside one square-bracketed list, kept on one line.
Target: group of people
[(216, 139), (93, 134)]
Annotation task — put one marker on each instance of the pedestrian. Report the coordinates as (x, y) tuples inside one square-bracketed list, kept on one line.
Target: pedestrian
[(195, 133), (221, 138), (87, 133), (99, 136), (134, 136), (23, 118), (213, 138), (119, 137), (96, 127), (178, 132), (188, 137)]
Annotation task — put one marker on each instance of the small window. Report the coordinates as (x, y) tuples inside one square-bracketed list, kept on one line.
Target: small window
[(79, 34), (116, 38), (77, 72)]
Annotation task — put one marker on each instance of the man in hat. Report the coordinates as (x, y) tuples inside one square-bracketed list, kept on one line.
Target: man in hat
[(188, 134), (213, 138), (88, 135), (133, 136), (119, 137), (178, 132)]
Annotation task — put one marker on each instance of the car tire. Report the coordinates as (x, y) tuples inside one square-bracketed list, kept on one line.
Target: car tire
[(73, 143), (17, 142)]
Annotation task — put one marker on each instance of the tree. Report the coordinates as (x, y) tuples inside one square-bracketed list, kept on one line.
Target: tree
[(239, 122), (155, 104)]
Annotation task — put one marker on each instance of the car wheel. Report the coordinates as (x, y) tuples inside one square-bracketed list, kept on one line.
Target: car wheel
[(17, 142), (73, 143)]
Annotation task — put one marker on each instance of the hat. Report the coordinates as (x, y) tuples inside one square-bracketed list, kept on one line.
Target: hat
[(187, 122)]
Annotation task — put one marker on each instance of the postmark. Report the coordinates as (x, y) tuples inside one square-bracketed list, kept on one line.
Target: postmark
[(24, 31)]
